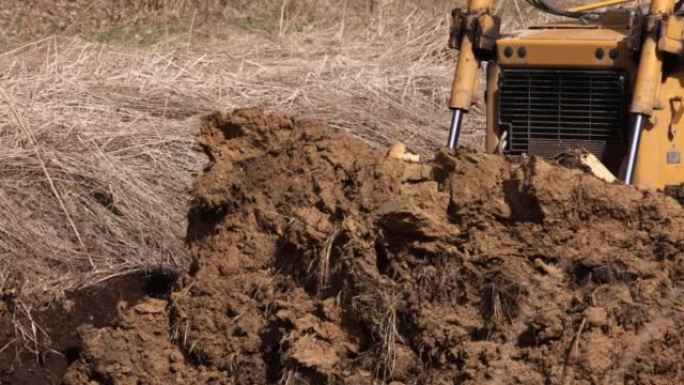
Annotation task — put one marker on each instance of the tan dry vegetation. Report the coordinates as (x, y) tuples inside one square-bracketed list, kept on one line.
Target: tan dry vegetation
[(100, 103)]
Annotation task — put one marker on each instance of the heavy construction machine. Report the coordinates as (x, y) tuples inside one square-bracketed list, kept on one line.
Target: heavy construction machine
[(606, 78)]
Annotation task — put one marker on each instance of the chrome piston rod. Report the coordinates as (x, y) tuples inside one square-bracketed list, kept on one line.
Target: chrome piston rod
[(634, 148), (455, 131)]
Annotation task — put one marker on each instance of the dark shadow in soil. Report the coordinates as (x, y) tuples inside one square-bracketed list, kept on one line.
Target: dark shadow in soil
[(96, 305), (524, 205), (202, 221)]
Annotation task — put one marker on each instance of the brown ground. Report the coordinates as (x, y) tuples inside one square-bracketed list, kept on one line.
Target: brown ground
[(98, 113), (318, 260)]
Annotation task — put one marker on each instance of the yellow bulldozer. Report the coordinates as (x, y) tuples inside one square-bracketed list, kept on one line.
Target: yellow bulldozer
[(606, 77)]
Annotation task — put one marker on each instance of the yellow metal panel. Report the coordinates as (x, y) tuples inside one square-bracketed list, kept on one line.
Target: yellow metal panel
[(567, 46), (661, 154), (662, 7), (671, 33)]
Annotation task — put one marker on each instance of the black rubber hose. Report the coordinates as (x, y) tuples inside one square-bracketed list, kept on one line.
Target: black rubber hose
[(545, 7)]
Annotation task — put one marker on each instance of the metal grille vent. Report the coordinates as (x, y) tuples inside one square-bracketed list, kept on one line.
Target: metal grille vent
[(547, 111)]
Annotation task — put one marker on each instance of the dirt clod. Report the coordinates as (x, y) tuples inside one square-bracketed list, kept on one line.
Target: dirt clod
[(320, 260)]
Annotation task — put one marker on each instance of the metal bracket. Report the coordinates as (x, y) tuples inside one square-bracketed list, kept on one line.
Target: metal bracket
[(484, 28), (488, 31), (671, 35), (457, 29)]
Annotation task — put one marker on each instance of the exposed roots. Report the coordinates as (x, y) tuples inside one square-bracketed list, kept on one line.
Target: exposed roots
[(324, 259), (389, 335)]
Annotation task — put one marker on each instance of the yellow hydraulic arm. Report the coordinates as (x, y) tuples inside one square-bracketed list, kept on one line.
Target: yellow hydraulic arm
[(468, 31)]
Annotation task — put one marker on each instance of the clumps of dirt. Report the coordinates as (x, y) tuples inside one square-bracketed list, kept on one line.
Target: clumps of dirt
[(38, 343), (320, 260)]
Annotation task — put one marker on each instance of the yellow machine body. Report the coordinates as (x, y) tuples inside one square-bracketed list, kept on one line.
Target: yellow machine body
[(653, 86)]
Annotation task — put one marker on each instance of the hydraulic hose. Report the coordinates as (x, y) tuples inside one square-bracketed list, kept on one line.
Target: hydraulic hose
[(545, 7)]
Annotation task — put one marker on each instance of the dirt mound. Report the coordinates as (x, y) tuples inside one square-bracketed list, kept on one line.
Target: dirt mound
[(318, 260)]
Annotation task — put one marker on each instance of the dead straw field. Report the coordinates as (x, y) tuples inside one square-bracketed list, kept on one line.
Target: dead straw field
[(99, 106)]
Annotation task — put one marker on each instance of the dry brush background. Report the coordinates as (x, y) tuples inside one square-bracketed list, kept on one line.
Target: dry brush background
[(99, 105)]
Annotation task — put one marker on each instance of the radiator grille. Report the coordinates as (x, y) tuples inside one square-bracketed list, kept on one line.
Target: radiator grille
[(547, 111)]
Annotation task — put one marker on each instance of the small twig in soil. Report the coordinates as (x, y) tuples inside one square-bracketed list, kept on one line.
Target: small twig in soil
[(573, 349)]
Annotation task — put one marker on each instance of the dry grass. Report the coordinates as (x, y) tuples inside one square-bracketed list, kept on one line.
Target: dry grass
[(92, 175), (101, 104), (389, 337)]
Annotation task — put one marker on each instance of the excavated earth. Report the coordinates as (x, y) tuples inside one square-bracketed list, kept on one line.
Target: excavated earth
[(317, 259)]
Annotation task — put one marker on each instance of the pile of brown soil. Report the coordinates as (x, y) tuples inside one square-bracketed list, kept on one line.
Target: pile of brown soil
[(318, 260)]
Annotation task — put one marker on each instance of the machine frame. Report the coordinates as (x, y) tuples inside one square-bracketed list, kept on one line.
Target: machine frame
[(649, 48)]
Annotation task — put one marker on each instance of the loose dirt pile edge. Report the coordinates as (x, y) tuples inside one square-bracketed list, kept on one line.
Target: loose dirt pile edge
[(318, 260)]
